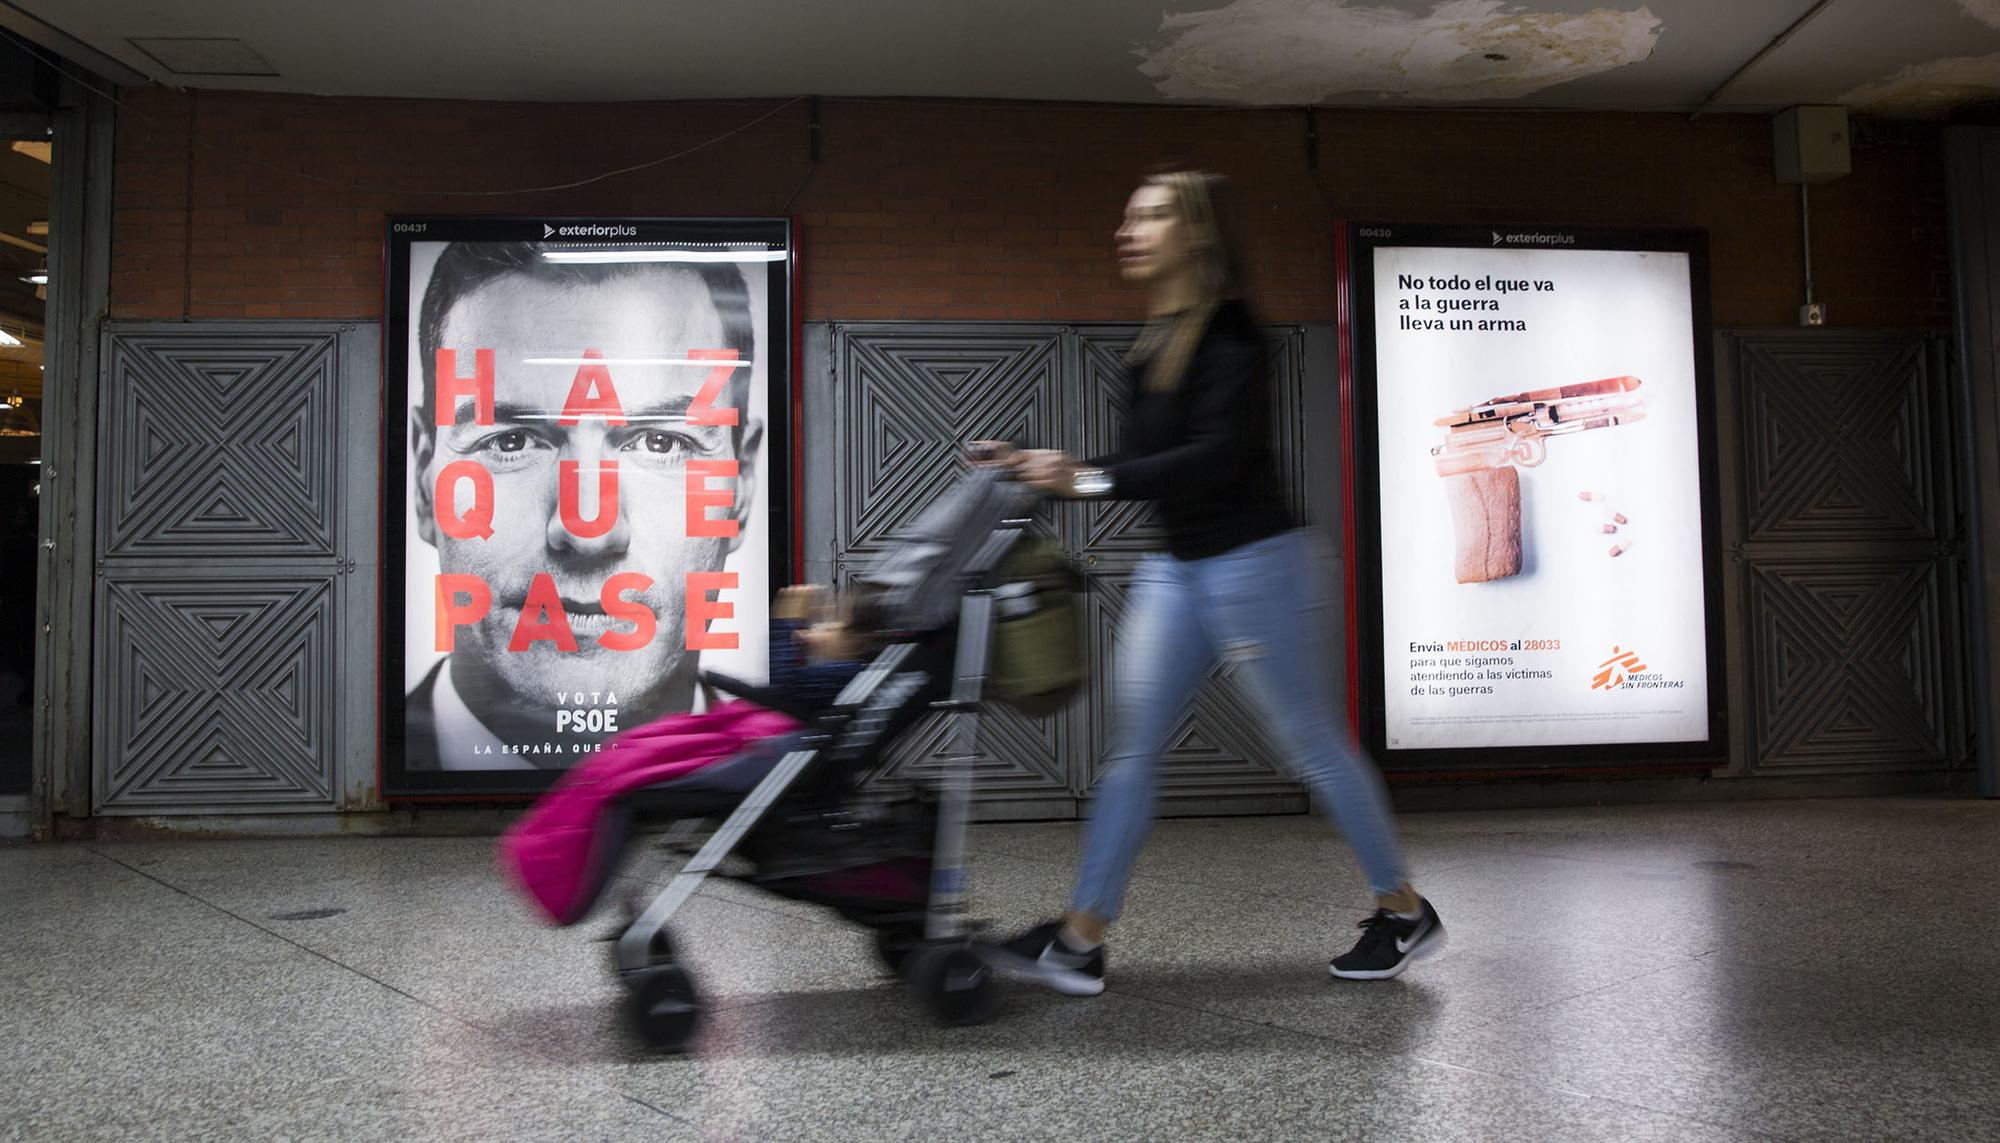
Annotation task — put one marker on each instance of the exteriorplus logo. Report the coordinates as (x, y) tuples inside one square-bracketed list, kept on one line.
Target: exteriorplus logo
[(589, 230), (1533, 239)]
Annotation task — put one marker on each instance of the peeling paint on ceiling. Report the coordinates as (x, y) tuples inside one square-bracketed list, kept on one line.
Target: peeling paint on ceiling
[(1305, 51), (1985, 11), (1929, 89)]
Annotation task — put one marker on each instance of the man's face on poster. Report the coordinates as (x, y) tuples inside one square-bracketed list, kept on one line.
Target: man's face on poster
[(539, 331)]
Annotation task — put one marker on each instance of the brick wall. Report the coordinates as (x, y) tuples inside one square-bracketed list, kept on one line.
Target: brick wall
[(979, 211)]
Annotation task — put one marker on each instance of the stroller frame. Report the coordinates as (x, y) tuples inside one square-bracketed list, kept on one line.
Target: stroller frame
[(950, 973)]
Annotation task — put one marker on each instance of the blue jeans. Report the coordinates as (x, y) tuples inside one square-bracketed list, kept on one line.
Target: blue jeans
[(1264, 609)]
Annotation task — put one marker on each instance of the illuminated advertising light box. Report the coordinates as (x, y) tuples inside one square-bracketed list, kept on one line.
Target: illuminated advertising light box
[(1534, 497), (586, 468)]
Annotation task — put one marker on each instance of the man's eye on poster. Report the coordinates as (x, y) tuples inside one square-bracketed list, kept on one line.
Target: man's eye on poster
[(587, 452)]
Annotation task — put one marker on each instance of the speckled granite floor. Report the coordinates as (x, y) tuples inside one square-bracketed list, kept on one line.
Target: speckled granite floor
[(1785, 970)]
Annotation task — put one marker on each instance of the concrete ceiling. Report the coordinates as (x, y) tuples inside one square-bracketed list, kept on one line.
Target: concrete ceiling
[(1902, 57)]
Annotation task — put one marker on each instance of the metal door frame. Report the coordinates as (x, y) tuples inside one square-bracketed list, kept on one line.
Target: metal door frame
[(80, 243)]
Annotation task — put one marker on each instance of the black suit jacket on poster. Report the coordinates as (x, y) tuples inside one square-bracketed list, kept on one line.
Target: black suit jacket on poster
[(420, 741), (420, 734)]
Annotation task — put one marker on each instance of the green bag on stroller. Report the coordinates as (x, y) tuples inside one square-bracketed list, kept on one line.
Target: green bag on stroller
[(1037, 664)]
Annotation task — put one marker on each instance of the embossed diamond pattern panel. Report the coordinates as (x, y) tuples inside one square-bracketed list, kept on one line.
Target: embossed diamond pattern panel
[(219, 446), (239, 468), (1017, 757), (1847, 565), (911, 396), (216, 690), (907, 394), (1120, 527), (1842, 439), (1848, 664)]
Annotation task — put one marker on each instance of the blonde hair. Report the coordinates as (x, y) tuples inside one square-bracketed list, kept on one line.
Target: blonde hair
[(1204, 204)]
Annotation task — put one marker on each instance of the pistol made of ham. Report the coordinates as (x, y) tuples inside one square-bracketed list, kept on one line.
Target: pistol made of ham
[(1483, 446)]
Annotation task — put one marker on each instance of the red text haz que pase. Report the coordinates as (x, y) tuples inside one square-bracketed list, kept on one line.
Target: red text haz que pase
[(463, 599)]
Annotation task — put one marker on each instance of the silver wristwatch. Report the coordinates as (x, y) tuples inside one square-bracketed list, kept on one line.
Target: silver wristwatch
[(1092, 482)]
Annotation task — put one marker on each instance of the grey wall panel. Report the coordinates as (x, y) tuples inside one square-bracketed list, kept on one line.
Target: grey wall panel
[(819, 431), (1291, 432), (1845, 545), (238, 511), (1843, 439), (906, 397), (910, 396), (1729, 477), (360, 498), (1098, 393), (1849, 664), (1017, 758), (1972, 163), (1319, 368), (887, 406), (220, 446), (216, 688)]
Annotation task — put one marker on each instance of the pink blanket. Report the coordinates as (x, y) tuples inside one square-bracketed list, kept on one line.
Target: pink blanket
[(559, 853)]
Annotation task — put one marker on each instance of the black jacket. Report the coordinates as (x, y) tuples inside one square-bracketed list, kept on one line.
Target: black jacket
[(1202, 450)]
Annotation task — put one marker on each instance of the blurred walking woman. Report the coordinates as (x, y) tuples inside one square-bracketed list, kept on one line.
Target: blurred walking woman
[(1238, 580)]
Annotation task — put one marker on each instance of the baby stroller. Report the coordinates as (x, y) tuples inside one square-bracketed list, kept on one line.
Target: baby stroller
[(795, 818)]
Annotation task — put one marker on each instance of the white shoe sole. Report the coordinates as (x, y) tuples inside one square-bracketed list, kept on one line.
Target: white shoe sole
[(1069, 982), (1429, 947)]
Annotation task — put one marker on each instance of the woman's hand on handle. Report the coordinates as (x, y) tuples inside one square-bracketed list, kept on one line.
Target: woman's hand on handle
[(1048, 469), (992, 452)]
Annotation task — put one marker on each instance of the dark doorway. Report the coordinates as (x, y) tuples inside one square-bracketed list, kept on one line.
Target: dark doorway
[(24, 277)]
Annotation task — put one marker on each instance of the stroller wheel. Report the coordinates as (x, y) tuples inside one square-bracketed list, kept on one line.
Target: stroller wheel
[(660, 950), (662, 1006), (894, 946), (952, 983)]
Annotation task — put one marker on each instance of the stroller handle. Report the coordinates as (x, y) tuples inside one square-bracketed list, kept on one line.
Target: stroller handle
[(983, 452), (987, 453)]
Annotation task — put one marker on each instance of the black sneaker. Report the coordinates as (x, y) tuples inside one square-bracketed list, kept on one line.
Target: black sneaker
[(1389, 942), (1039, 956)]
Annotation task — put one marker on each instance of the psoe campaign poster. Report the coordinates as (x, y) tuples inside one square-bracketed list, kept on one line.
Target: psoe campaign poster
[(586, 444), (1534, 494)]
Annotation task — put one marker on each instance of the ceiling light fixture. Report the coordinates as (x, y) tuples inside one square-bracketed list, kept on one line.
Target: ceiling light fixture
[(8, 339)]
